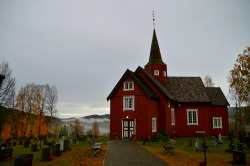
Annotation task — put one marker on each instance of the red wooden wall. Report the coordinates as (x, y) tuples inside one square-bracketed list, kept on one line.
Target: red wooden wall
[(145, 109)]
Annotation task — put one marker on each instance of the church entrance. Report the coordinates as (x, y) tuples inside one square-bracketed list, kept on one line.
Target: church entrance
[(128, 128)]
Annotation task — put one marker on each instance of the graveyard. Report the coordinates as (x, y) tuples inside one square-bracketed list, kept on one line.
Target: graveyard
[(75, 152), (185, 154), (70, 151)]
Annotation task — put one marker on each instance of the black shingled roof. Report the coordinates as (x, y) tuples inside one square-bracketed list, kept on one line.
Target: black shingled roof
[(216, 96), (138, 81), (187, 89)]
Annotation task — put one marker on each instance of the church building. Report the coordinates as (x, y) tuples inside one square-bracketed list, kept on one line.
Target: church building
[(148, 100)]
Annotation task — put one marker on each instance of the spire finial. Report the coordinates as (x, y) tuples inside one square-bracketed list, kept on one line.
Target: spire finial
[(153, 14)]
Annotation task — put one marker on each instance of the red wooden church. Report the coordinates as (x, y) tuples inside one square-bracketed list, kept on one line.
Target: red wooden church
[(148, 100)]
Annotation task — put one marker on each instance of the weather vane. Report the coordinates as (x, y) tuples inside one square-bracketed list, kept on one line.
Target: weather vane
[(153, 14)]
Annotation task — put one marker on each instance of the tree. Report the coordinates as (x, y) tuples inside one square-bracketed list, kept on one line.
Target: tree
[(21, 105), (51, 100), (208, 82), (240, 76), (95, 129), (77, 128), (239, 85), (8, 86)]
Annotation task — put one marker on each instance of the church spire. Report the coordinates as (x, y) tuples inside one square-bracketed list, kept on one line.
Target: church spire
[(155, 54), (155, 64)]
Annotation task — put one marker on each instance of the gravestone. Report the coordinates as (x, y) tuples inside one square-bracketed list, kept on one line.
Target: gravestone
[(34, 147), (232, 147), (214, 143), (23, 160), (61, 145), (56, 150), (240, 147), (66, 145), (20, 142), (197, 144), (46, 153), (26, 144), (220, 139), (5, 153), (239, 158), (14, 144)]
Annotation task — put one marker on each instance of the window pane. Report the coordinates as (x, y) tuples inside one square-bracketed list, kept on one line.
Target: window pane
[(189, 117), (219, 123), (194, 116), (126, 103), (130, 85), (215, 122)]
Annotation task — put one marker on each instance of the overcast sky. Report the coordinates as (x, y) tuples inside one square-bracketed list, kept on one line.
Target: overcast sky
[(84, 47)]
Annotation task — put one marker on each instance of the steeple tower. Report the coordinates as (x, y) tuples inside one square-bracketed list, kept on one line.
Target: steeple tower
[(155, 65)]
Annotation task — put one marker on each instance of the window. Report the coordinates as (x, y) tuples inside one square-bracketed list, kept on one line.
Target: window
[(164, 73), (217, 123), (128, 102), (128, 85), (192, 117), (172, 116), (156, 72), (154, 124)]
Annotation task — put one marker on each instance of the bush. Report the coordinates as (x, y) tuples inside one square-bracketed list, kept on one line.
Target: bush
[(162, 136)]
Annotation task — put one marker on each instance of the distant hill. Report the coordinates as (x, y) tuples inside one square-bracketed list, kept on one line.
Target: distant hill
[(87, 122), (97, 116)]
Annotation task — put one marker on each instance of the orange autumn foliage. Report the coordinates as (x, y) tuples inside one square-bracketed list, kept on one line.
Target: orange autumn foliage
[(33, 126)]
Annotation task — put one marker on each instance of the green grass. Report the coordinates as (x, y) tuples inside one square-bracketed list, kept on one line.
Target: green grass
[(37, 156), (183, 142), (187, 155)]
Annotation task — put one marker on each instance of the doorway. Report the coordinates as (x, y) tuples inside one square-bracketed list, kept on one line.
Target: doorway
[(128, 128)]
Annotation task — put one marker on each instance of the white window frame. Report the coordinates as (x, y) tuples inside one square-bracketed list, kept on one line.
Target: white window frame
[(192, 117), (215, 125), (127, 84), (165, 73), (154, 124), (156, 72), (168, 103), (126, 106), (172, 116)]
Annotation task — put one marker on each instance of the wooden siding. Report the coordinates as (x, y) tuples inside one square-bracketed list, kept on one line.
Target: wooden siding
[(144, 110), (220, 111)]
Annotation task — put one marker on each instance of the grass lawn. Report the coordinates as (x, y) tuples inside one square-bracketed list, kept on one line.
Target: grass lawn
[(186, 155), (80, 154)]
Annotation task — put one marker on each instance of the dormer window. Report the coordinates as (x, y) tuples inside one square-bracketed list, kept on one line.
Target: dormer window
[(156, 72), (128, 86)]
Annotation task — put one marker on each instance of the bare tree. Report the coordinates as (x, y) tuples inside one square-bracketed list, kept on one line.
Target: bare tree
[(51, 100), (43, 94), (7, 87), (208, 82)]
